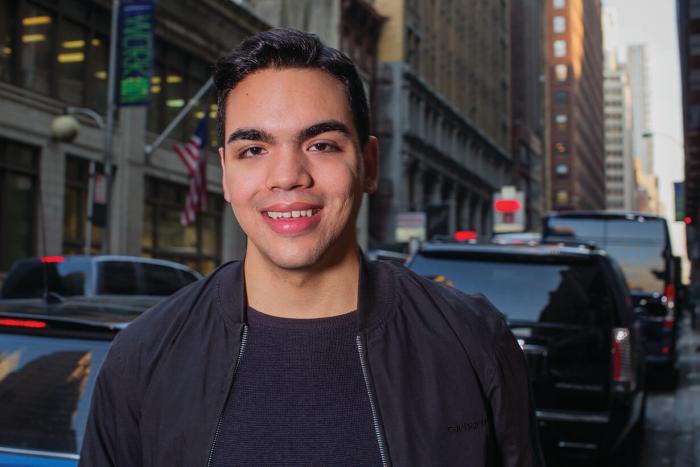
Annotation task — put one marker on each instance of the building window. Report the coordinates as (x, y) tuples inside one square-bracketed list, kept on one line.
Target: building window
[(561, 72), (178, 76), (561, 98), (560, 147), (559, 4), (560, 48), (60, 51), (197, 245), (561, 120), (8, 13), (562, 170), (18, 196), (75, 201), (562, 197), (559, 24)]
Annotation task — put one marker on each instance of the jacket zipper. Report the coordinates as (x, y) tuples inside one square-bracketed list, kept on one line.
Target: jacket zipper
[(244, 339), (372, 406)]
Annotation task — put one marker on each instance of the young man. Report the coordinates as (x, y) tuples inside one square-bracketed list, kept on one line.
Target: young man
[(305, 353)]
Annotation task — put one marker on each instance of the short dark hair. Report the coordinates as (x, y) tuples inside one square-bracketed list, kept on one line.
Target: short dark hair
[(289, 48)]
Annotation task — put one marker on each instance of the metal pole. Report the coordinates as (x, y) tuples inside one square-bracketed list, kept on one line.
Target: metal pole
[(88, 220), (109, 126), (178, 118)]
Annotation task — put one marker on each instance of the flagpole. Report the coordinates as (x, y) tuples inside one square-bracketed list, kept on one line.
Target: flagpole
[(176, 121)]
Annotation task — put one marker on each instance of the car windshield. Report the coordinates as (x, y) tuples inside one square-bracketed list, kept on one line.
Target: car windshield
[(640, 246), (45, 389), (526, 291)]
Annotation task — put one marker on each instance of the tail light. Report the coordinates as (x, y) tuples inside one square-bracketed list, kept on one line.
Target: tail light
[(670, 292), (623, 372)]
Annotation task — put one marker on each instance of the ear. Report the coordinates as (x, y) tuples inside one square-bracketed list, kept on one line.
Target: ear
[(370, 159), (222, 158)]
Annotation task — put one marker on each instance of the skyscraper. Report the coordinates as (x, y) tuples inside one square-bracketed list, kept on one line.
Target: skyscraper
[(575, 58)]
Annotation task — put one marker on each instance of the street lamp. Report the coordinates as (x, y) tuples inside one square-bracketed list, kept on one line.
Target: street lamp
[(66, 128)]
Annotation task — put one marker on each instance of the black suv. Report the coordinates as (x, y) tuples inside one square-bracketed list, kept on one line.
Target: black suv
[(572, 314), (641, 244)]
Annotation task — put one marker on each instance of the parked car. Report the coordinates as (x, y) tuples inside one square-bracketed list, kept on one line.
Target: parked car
[(641, 245), (572, 314), (91, 276), (50, 355)]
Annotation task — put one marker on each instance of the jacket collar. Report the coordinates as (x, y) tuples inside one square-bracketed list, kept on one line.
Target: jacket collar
[(375, 295)]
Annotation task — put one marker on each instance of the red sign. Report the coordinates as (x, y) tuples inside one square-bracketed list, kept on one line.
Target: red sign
[(507, 205)]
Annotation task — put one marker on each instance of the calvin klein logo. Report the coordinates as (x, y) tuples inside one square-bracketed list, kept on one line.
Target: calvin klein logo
[(467, 426)]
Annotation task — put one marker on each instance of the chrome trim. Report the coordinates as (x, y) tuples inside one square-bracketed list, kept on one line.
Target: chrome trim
[(31, 452), (579, 387), (561, 416), (573, 445)]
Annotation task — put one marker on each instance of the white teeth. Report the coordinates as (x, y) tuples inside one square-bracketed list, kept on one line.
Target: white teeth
[(289, 214)]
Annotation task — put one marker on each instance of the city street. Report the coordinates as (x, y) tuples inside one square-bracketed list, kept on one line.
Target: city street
[(672, 436)]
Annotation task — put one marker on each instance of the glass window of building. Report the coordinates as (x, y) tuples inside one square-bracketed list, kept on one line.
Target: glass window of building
[(58, 48), (562, 197), (562, 170), (559, 24), (561, 72), (560, 147), (177, 78), (558, 4), (561, 120), (75, 201), (8, 13), (198, 244), (18, 201), (561, 98), (559, 48)]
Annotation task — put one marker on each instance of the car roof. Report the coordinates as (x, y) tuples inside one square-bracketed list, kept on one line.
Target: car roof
[(107, 258), (541, 250)]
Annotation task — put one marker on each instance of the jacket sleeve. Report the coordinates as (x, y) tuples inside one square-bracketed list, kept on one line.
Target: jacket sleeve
[(512, 404), (112, 432)]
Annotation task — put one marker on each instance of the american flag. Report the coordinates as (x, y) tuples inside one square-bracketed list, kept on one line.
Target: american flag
[(194, 155)]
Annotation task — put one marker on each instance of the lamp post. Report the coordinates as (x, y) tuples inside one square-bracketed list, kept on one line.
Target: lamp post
[(66, 128)]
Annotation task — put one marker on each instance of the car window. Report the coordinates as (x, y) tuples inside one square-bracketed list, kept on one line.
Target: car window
[(573, 294), (117, 278), (579, 229), (26, 278), (644, 265), (652, 231), (163, 280), (45, 389)]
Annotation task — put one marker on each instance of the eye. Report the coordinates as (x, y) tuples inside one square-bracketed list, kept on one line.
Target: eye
[(324, 147), (252, 151)]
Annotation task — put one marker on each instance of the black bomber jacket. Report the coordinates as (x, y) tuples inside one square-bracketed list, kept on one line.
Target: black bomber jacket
[(447, 380)]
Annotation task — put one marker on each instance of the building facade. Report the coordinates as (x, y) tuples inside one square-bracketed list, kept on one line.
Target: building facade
[(528, 81), (620, 182), (442, 119), (575, 60), (55, 54)]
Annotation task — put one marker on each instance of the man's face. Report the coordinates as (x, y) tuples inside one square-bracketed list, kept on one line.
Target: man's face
[(293, 170)]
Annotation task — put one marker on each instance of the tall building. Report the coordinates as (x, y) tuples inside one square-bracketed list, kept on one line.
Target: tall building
[(55, 54), (576, 149), (620, 183), (528, 72), (442, 95), (352, 26), (688, 36), (641, 136)]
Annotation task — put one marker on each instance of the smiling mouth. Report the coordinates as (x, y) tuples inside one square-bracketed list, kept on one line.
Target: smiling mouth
[(291, 214)]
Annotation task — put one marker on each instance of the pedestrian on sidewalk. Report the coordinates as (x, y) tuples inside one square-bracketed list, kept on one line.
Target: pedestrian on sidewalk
[(306, 353)]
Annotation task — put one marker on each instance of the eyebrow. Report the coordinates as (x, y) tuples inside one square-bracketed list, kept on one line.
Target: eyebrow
[(254, 134)]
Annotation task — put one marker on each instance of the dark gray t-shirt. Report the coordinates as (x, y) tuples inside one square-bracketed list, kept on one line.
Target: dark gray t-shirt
[(299, 397)]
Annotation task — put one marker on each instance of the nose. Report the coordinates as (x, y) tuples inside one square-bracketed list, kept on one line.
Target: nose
[(288, 170)]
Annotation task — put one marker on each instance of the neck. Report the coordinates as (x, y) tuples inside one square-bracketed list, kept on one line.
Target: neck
[(317, 292)]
